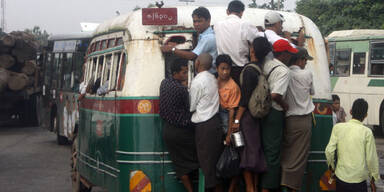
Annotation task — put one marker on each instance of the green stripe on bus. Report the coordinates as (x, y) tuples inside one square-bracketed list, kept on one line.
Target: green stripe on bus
[(124, 98), (106, 51), (121, 115), (376, 83), (333, 82)]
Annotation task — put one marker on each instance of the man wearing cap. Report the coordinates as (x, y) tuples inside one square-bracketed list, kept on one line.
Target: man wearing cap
[(298, 122), (273, 22), (278, 76), (233, 37)]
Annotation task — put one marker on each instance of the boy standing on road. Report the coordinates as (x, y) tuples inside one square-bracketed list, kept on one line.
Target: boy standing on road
[(356, 152)]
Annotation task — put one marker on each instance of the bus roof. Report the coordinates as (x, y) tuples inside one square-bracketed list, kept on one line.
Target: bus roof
[(133, 21), (70, 36), (132, 24), (356, 34)]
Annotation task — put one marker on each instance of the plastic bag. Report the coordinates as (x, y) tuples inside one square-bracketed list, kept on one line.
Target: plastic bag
[(229, 163)]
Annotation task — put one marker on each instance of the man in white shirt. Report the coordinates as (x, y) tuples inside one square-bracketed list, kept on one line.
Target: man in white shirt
[(233, 37), (277, 74), (298, 122), (204, 96), (273, 22)]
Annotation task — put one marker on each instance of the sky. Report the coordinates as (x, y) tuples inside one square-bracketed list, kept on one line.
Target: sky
[(65, 16)]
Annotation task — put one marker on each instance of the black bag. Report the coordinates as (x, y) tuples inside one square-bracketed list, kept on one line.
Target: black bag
[(229, 163)]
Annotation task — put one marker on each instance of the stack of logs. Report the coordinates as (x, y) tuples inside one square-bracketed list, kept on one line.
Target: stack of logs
[(18, 70)]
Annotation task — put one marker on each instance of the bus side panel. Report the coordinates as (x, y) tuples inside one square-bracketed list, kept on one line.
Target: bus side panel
[(140, 155), (321, 132), (97, 143)]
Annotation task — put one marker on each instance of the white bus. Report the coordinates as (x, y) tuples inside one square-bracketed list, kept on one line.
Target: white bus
[(357, 57)]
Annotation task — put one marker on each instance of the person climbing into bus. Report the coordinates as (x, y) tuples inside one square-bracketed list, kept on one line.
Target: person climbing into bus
[(230, 94), (233, 37), (338, 113), (206, 41), (178, 133), (356, 152), (205, 102), (298, 122), (273, 22), (252, 159), (278, 76)]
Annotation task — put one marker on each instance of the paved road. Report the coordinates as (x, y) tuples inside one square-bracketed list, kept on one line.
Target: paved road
[(31, 161)]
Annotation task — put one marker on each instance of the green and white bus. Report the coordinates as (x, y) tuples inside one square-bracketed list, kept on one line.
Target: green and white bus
[(357, 57), (119, 142), (62, 61)]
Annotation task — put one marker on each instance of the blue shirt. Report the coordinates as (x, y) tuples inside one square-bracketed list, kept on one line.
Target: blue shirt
[(207, 44)]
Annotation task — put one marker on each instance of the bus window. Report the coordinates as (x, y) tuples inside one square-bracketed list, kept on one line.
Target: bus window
[(119, 41), (343, 61), (97, 46), (103, 44), (48, 70), (115, 69), (67, 71), (111, 43), (107, 69), (99, 67), (377, 58), (121, 77), (358, 63)]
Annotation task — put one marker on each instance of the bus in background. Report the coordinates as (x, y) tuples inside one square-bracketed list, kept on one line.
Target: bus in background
[(119, 142), (357, 59), (62, 62)]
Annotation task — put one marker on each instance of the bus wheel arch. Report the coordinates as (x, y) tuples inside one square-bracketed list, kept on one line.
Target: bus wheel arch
[(381, 117), (77, 183)]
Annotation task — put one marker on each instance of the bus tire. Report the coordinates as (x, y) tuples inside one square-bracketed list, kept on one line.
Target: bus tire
[(77, 185), (61, 140), (382, 119)]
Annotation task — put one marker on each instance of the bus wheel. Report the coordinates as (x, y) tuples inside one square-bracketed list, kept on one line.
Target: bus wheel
[(61, 140), (382, 122), (77, 185)]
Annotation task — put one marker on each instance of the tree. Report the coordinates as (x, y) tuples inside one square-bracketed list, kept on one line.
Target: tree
[(41, 36), (268, 5), (331, 15)]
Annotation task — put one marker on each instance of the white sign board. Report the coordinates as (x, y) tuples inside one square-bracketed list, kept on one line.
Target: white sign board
[(65, 46)]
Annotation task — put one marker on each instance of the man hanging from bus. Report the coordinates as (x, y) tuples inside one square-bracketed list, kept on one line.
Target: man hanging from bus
[(233, 37), (178, 133), (204, 96), (278, 77), (273, 22), (298, 122), (356, 152), (206, 41)]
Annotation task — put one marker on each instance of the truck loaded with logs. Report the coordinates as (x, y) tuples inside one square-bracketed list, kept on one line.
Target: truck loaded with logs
[(19, 78)]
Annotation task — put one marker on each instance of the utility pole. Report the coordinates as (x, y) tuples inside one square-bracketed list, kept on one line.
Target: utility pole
[(272, 5), (3, 15), (278, 5)]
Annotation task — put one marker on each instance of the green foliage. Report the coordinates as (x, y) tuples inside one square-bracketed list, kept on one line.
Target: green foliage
[(332, 15), (41, 36), (267, 5)]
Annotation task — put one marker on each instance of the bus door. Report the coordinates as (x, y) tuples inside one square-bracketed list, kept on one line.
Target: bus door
[(185, 40)]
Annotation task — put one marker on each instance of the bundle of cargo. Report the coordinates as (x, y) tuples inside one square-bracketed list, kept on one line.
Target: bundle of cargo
[(18, 70), (18, 77)]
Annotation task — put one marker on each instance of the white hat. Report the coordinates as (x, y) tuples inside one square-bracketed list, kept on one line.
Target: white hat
[(273, 17)]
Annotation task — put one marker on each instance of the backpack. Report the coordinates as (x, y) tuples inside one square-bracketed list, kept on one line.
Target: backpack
[(260, 102)]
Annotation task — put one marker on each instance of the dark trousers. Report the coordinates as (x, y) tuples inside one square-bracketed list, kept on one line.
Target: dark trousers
[(342, 186)]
